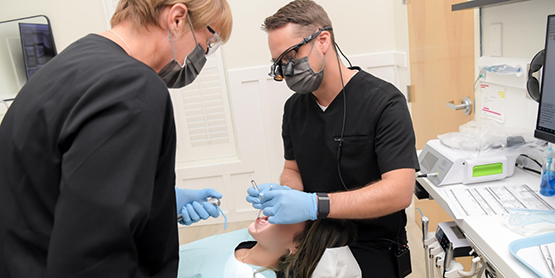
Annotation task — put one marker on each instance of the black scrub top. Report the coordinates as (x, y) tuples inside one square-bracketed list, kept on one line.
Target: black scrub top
[(87, 158), (378, 138)]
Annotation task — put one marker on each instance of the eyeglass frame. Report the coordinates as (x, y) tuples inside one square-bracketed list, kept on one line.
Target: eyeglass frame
[(276, 72), (213, 43)]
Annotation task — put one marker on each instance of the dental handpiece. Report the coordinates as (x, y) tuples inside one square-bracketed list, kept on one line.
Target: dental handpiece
[(215, 201), (211, 200)]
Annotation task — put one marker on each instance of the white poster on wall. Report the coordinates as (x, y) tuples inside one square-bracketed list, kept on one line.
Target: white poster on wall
[(493, 102)]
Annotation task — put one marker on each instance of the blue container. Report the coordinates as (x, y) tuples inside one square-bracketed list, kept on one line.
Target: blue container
[(547, 186)]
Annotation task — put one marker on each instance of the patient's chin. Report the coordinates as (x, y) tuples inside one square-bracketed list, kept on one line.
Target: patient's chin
[(258, 226), (252, 229)]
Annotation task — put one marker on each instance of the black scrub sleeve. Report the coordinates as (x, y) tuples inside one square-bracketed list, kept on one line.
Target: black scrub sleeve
[(395, 140), (285, 132), (112, 143)]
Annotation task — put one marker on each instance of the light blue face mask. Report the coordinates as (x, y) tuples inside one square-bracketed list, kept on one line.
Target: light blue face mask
[(177, 76)]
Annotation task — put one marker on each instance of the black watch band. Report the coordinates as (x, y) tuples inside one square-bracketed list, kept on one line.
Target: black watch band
[(323, 205)]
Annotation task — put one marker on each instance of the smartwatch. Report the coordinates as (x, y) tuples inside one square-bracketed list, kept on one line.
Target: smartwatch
[(323, 205)]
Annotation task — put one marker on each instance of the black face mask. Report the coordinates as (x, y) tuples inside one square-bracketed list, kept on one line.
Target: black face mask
[(177, 76), (304, 80)]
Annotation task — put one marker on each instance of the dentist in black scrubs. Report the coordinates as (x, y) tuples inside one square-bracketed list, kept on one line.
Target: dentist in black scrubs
[(349, 144)]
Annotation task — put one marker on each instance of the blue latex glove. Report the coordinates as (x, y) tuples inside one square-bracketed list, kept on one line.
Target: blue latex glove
[(253, 194), (289, 206), (192, 205), (195, 211)]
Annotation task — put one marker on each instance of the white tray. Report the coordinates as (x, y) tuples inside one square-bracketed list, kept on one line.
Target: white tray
[(533, 260)]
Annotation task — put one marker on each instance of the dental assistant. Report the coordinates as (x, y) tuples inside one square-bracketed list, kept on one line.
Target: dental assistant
[(87, 149), (348, 140)]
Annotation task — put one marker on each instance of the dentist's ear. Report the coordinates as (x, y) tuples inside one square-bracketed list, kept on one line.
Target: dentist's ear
[(177, 18), (324, 41)]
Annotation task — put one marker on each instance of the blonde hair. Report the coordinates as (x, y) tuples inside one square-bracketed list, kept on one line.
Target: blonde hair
[(143, 13)]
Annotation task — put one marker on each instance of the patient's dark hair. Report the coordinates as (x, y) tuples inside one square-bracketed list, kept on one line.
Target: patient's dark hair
[(312, 242)]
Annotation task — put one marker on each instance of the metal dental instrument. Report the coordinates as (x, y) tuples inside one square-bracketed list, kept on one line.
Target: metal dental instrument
[(214, 201), (256, 187), (548, 259)]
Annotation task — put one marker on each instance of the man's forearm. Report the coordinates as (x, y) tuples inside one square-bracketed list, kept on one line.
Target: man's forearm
[(292, 179), (391, 194)]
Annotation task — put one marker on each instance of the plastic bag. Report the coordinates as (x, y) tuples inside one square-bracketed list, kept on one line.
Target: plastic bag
[(528, 222), (478, 137)]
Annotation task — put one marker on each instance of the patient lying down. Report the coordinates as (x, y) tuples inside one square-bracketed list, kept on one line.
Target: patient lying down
[(309, 249)]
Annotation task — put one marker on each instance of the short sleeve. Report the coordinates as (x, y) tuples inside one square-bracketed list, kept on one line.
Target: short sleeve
[(395, 140)]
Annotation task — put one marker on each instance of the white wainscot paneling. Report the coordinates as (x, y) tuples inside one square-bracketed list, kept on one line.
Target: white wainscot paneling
[(389, 66), (257, 109)]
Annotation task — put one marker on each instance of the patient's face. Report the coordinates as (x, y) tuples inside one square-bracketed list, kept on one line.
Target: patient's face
[(275, 237)]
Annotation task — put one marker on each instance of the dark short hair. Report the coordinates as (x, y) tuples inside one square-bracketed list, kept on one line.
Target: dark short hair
[(306, 13)]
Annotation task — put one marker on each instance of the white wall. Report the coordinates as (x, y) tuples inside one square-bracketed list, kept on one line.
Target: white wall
[(361, 26), (523, 35), (523, 27), (401, 31)]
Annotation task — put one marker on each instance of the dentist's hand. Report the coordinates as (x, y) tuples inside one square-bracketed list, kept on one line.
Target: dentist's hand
[(289, 206), (253, 194), (192, 205)]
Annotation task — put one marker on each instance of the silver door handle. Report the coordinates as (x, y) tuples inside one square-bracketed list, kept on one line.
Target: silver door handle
[(466, 105)]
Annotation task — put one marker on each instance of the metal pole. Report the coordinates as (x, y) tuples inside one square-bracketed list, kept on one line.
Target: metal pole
[(425, 222)]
